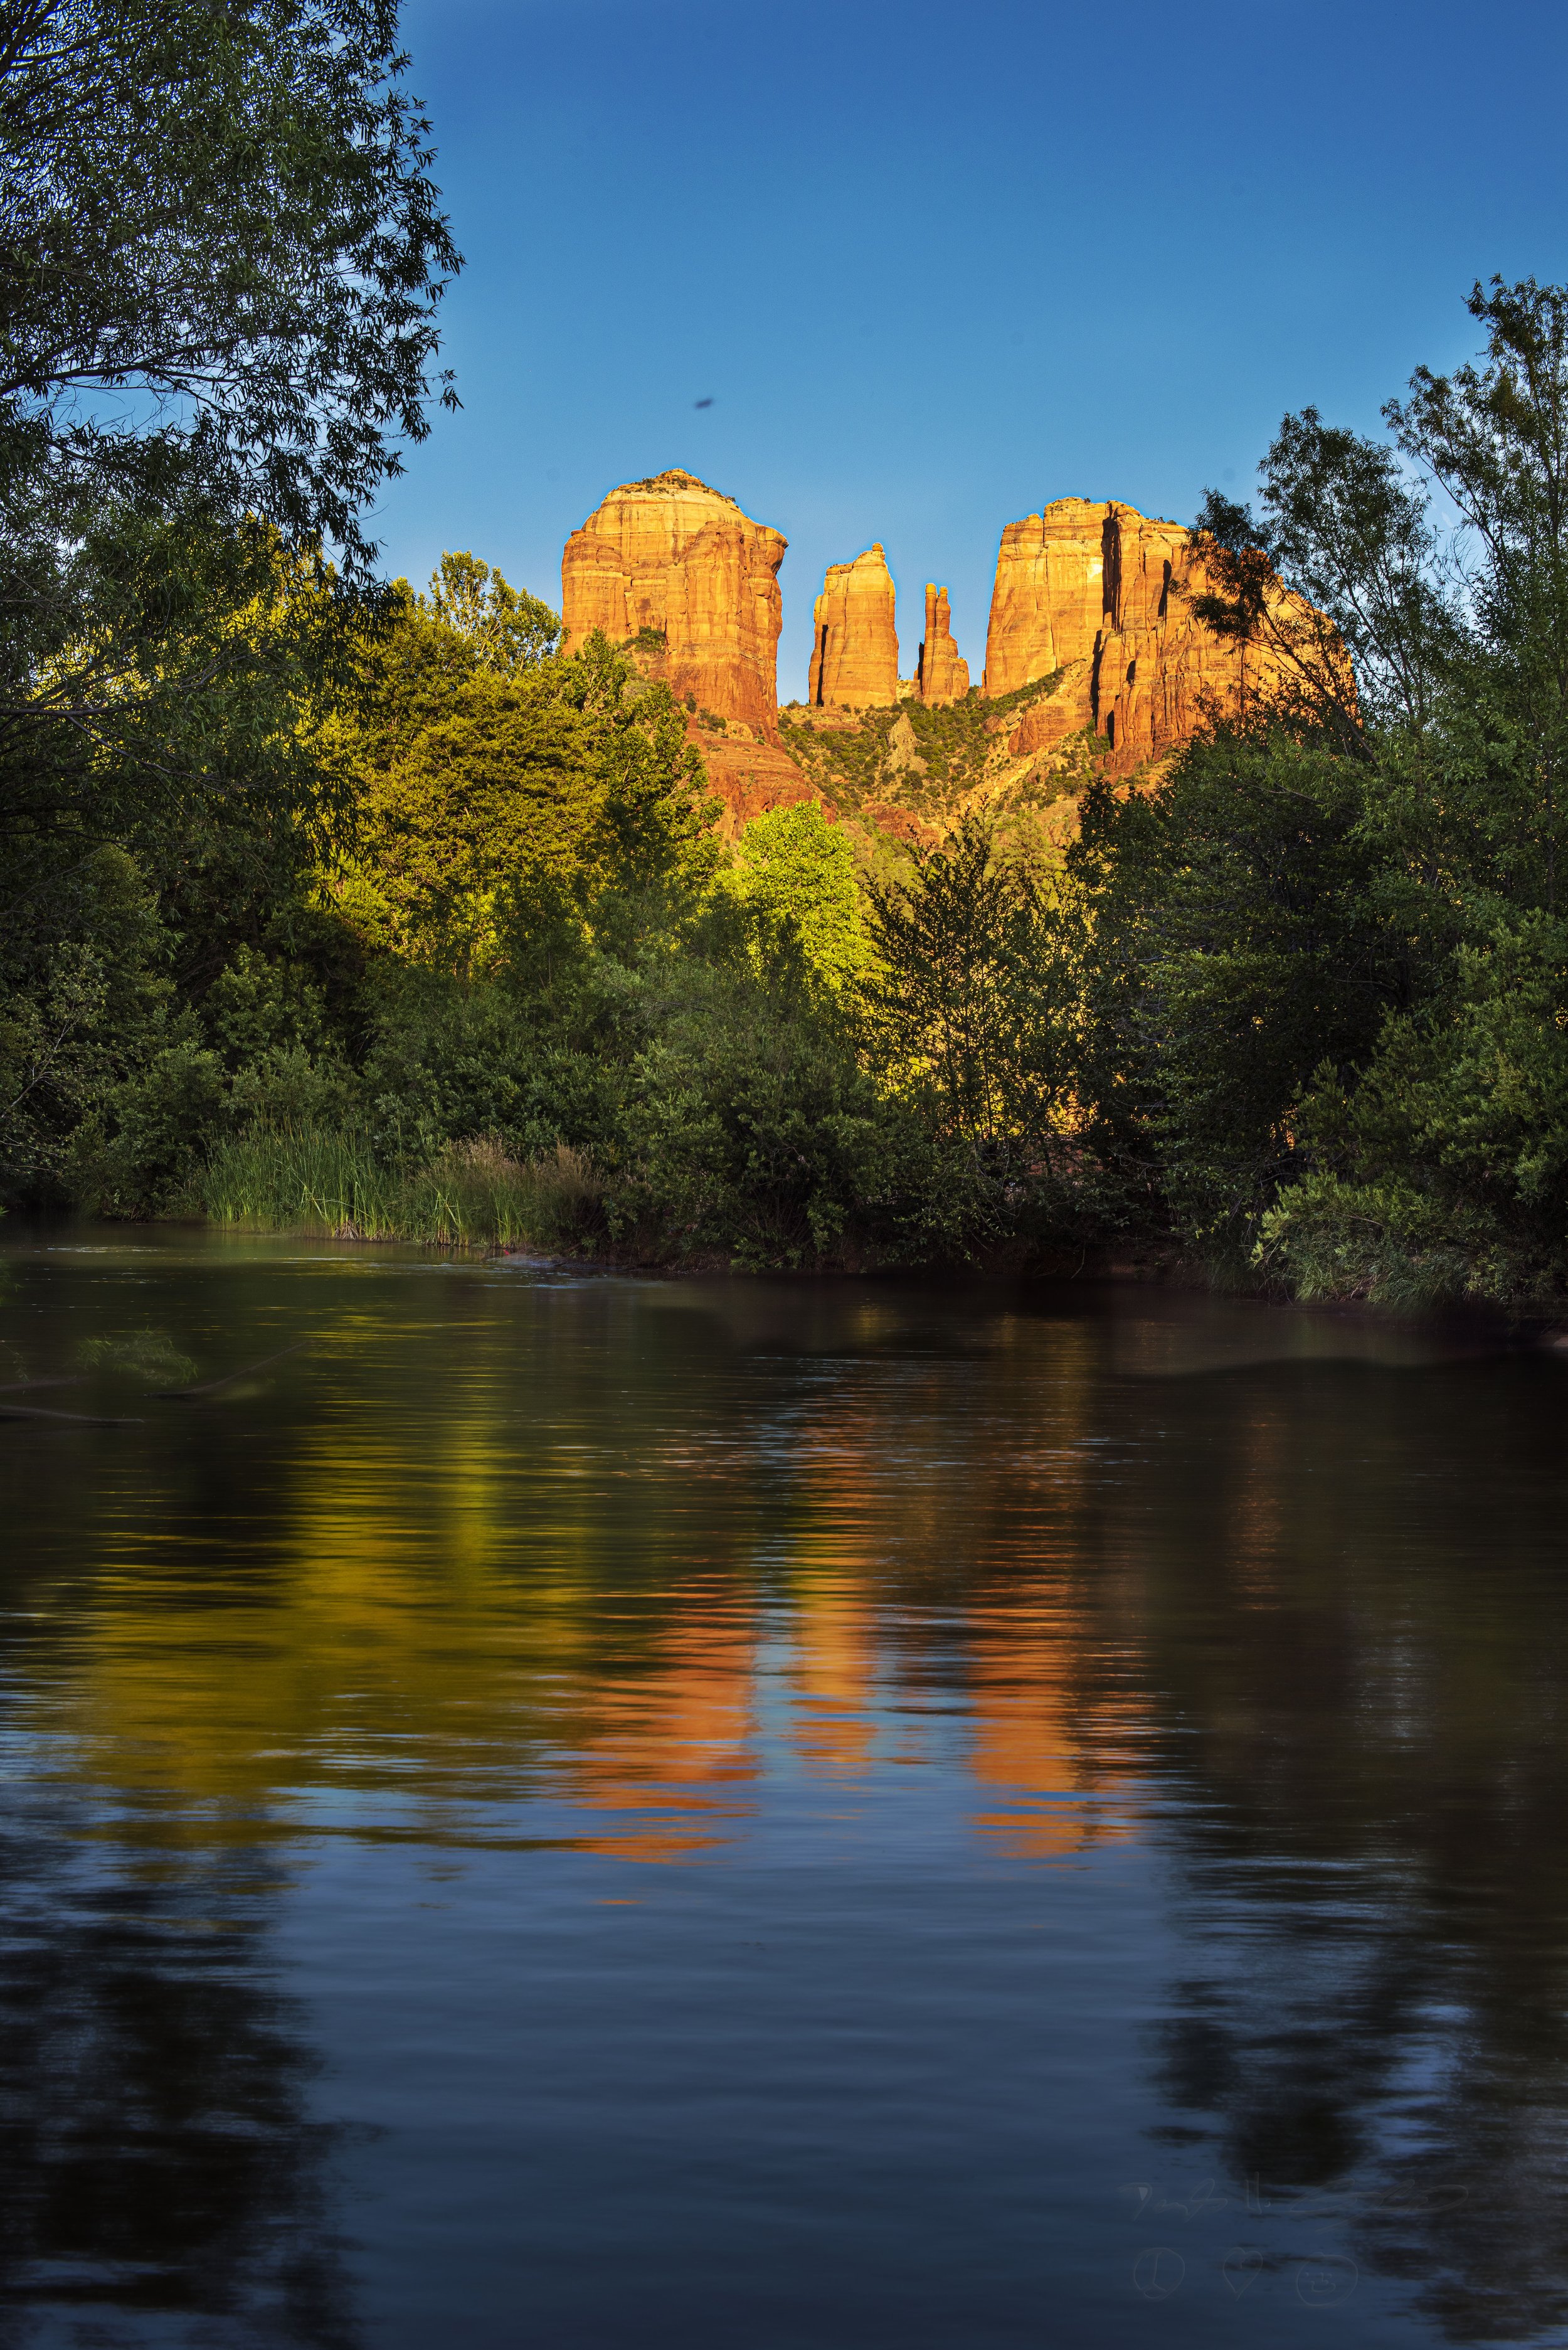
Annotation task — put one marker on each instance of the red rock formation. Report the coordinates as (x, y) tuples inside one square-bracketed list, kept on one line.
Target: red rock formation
[(854, 656), (1045, 725), (672, 554), (1049, 599), (1106, 595), (943, 673), (749, 777)]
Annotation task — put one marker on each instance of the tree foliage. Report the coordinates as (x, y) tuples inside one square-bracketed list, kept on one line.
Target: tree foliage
[(220, 257)]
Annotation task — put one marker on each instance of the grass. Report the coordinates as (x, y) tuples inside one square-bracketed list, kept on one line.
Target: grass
[(471, 1194)]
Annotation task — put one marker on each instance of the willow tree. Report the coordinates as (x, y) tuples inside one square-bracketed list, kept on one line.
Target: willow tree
[(222, 256)]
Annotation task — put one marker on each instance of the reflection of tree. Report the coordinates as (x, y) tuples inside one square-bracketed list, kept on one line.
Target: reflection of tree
[(156, 2157), (1356, 1623)]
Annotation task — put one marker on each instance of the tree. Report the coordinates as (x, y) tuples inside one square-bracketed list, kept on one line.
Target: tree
[(219, 211), (1350, 530), (220, 260), (794, 873), (1495, 436), (1329, 967), (508, 628), (972, 998), (512, 800), (221, 255), (1233, 944)]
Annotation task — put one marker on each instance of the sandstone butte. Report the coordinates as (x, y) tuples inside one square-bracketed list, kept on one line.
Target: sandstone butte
[(671, 555), (1091, 591), (942, 674), (854, 651), (1104, 594)]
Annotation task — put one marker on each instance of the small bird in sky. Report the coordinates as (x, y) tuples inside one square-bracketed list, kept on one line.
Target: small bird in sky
[(702, 403)]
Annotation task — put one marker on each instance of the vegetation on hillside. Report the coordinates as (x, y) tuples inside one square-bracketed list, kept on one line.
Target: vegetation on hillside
[(934, 761)]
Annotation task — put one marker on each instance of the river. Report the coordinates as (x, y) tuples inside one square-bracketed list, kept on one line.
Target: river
[(590, 1812)]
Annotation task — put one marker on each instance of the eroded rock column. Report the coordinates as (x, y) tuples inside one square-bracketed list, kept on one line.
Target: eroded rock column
[(854, 651), (1106, 595), (943, 673), (1050, 596)]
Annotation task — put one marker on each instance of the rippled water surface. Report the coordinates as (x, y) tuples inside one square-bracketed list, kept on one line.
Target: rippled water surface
[(586, 1812)]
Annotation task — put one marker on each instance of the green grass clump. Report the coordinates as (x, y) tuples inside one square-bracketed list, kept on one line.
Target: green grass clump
[(471, 1194)]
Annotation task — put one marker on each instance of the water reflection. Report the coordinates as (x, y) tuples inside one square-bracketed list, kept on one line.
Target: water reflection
[(1373, 1882), (160, 2165), (1254, 1620)]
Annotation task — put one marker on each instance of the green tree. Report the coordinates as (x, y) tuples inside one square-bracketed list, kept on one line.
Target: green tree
[(1233, 942), (220, 213), (972, 1000), (795, 874), (507, 628), (1326, 981), (512, 802), (221, 255)]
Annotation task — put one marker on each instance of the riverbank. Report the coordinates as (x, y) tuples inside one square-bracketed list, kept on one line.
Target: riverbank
[(313, 1182), (554, 1208), (334, 1185)]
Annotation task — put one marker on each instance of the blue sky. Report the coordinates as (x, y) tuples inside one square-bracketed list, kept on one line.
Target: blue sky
[(933, 266)]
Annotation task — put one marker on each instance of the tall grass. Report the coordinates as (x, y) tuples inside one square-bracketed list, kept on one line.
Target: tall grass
[(312, 1179)]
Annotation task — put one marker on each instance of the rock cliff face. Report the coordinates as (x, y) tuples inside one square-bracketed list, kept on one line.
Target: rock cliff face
[(674, 556), (854, 652), (943, 673), (1105, 594), (747, 777), (1049, 599)]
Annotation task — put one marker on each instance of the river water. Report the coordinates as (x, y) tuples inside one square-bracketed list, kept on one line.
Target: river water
[(590, 1813)]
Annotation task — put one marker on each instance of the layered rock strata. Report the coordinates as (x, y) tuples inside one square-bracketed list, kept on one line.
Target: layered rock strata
[(855, 650), (1089, 593), (1106, 595), (943, 673), (673, 555)]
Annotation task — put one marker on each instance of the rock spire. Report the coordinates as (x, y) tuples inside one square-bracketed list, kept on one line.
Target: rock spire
[(943, 673), (854, 651), (673, 556)]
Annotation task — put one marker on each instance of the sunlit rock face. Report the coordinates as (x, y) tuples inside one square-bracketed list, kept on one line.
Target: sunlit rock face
[(943, 673), (1106, 595), (854, 651), (1048, 603), (1089, 592), (671, 555)]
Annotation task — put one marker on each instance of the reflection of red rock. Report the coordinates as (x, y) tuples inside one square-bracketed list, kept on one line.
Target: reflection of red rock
[(832, 1725), (943, 673), (854, 653), (676, 1742), (674, 556), (1053, 1760), (1099, 591)]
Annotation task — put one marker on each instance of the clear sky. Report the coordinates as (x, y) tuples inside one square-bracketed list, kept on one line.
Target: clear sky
[(933, 266)]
